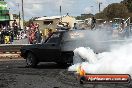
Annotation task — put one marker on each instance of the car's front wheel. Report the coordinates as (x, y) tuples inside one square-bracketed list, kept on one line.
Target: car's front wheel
[(31, 60)]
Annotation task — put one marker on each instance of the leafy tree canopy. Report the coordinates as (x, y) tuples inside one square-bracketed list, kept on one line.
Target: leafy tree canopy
[(115, 10)]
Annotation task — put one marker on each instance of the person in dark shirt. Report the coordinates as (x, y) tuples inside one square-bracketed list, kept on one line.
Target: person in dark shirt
[(11, 37), (75, 26), (38, 36), (93, 23), (15, 27), (50, 32)]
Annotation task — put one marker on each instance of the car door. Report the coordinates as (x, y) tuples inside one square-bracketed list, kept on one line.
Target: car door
[(50, 50)]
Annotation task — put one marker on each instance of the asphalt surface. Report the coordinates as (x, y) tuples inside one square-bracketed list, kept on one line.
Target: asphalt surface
[(15, 74)]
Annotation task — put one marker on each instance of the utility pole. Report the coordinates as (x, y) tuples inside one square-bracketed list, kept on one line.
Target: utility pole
[(19, 15), (91, 9), (100, 6), (60, 13), (23, 13)]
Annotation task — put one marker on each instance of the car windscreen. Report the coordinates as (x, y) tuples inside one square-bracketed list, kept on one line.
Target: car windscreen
[(55, 38)]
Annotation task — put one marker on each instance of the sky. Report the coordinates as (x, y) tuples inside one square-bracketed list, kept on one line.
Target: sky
[(39, 8)]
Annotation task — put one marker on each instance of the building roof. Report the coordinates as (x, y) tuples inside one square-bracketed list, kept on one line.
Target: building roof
[(49, 18), (52, 17)]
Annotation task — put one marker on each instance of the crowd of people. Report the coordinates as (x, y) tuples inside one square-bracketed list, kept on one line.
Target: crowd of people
[(8, 33), (32, 33), (35, 36)]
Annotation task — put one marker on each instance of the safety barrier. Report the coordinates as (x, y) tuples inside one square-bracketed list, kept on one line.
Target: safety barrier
[(11, 50)]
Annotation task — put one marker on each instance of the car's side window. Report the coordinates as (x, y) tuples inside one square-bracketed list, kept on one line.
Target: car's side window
[(54, 38)]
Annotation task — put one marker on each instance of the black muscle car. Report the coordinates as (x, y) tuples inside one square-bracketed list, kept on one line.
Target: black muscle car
[(51, 50)]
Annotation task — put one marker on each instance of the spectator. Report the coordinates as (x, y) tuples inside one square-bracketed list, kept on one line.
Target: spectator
[(93, 23), (32, 26), (15, 27), (49, 32), (122, 24), (11, 37), (36, 26), (75, 26), (38, 36), (60, 25), (32, 37)]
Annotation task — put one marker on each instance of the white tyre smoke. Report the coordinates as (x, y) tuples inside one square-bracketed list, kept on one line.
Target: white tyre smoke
[(118, 61)]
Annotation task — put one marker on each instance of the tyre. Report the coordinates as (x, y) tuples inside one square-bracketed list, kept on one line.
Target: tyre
[(31, 60), (82, 80)]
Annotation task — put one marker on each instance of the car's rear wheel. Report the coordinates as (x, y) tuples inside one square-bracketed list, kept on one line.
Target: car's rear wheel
[(31, 60), (82, 80)]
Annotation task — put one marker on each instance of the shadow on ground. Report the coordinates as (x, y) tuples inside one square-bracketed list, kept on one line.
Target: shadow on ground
[(47, 65)]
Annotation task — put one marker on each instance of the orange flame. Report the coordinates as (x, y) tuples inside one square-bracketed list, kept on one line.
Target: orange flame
[(81, 71)]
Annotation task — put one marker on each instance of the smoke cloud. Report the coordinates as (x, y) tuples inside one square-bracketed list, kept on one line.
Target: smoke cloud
[(115, 60), (98, 40)]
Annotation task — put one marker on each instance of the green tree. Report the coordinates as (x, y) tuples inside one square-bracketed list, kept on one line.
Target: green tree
[(128, 3), (100, 16), (116, 10), (27, 23), (84, 16), (79, 18)]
